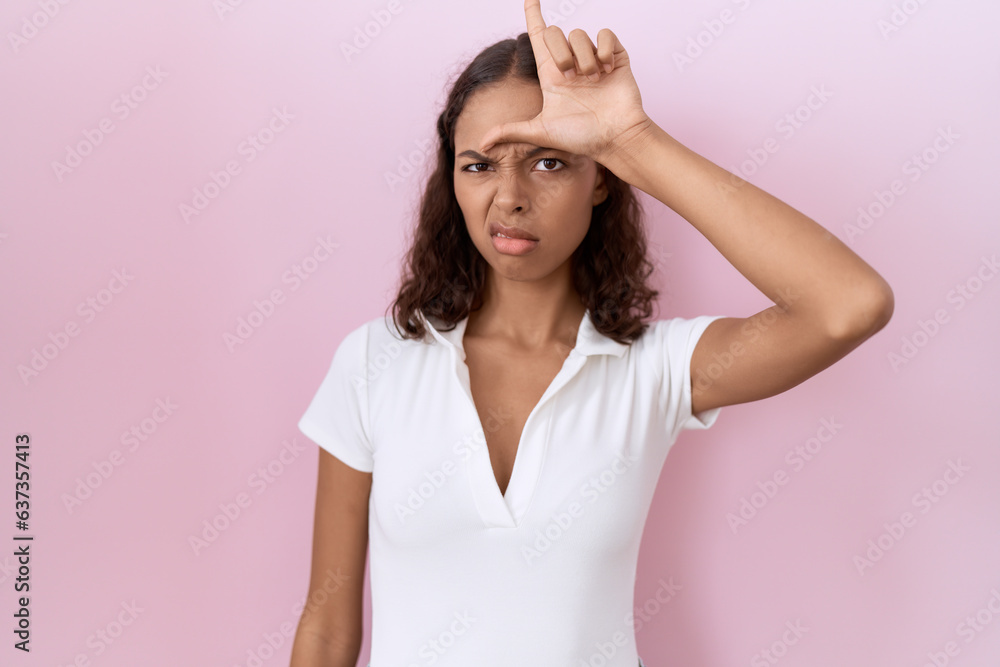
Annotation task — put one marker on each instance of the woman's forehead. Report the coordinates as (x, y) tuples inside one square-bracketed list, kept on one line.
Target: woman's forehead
[(496, 104)]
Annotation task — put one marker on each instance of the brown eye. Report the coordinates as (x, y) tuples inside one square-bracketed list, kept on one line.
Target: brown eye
[(550, 163)]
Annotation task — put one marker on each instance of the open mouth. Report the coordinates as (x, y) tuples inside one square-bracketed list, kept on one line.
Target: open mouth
[(498, 230)]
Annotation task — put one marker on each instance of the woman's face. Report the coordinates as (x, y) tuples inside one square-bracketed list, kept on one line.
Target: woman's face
[(548, 194)]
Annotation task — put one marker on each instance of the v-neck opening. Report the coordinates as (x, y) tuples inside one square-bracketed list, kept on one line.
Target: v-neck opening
[(507, 508)]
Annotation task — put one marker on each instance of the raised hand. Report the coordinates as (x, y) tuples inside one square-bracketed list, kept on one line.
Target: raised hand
[(590, 100)]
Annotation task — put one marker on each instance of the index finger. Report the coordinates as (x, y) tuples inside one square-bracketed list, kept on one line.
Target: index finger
[(536, 26)]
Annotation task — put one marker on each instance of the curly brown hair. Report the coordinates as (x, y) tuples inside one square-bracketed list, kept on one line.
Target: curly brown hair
[(444, 272)]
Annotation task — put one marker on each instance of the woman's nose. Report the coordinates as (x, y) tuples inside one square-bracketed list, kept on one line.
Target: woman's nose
[(511, 194)]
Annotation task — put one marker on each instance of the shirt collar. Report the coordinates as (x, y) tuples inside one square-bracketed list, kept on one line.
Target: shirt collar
[(589, 341)]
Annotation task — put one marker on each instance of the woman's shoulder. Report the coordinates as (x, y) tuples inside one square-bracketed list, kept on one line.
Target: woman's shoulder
[(673, 325), (672, 333), (378, 335)]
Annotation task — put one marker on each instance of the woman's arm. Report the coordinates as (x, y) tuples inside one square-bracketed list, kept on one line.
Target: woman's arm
[(828, 299), (329, 633)]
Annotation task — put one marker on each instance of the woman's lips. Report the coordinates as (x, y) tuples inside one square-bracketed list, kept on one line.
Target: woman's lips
[(508, 246), (510, 232)]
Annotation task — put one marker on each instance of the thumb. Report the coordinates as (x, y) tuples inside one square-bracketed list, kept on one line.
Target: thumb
[(522, 131)]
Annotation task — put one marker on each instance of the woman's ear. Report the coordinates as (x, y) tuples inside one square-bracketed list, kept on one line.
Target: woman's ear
[(600, 185)]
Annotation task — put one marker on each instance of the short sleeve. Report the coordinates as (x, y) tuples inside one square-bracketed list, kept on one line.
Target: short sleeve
[(337, 417), (676, 339)]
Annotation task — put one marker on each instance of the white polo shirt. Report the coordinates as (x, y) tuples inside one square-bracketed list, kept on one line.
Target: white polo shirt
[(545, 573)]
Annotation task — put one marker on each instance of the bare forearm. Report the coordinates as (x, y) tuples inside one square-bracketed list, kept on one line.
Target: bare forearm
[(316, 649), (789, 257)]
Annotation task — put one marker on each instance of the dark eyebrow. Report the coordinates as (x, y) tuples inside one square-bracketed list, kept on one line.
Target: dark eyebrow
[(482, 158)]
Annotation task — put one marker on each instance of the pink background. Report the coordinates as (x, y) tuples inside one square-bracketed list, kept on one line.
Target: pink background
[(161, 336)]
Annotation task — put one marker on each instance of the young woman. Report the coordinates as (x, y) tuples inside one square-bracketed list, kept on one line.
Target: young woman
[(502, 452)]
